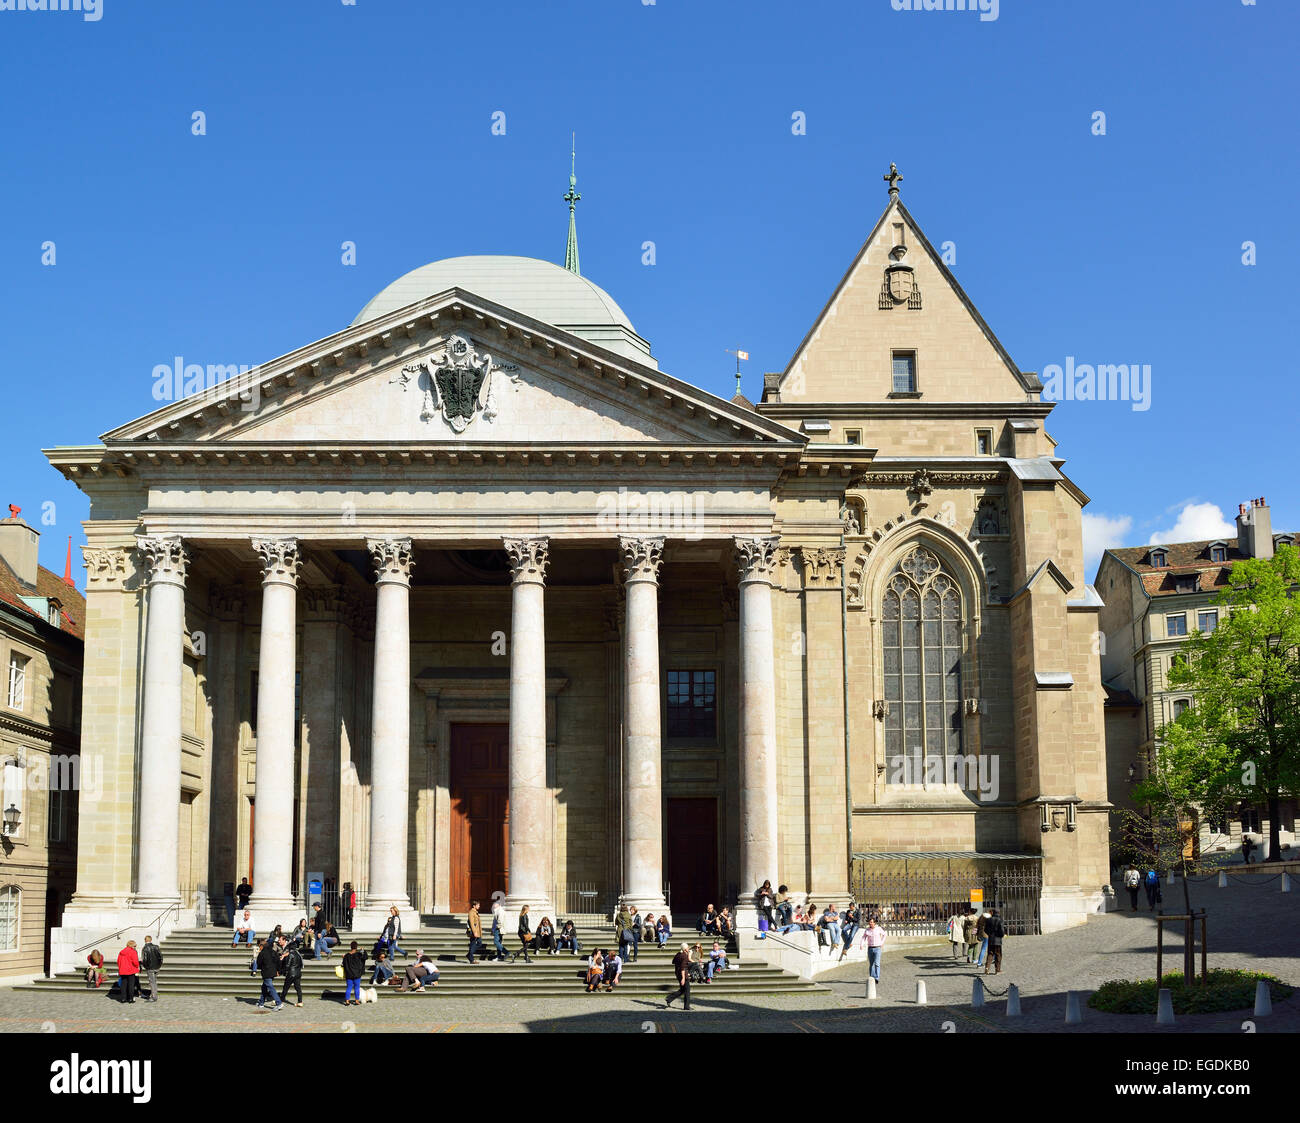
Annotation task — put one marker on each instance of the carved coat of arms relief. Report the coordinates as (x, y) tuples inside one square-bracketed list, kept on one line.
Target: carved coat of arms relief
[(458, 383)]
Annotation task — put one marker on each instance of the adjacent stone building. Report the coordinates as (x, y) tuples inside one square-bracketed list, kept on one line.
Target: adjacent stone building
[(471, 596), (1155, 597), (41, 622)]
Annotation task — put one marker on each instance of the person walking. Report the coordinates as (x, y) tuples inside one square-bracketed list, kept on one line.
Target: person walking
[(354, 967), (393, 933), (970, 926), (474, 930), (956, 934), (498, 927), (1153, 889), (623, 930), (982, 935), (291, 969), (128, 971), (874, 938), (268, 962), (525, 934), (994, 927), (682, 972), (1132, 882), (150, 961), (636, 937)]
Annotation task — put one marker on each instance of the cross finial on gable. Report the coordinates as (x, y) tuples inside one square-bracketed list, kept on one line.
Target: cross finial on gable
[(893, 179)]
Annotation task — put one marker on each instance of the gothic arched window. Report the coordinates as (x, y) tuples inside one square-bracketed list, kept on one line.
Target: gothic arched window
[(922, 626)]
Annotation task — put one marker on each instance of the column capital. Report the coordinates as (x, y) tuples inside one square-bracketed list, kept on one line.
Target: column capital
[(756, 559), (528, 559), (281, 560), (392, 559), (106, 567), (166, 557), (641, 558)]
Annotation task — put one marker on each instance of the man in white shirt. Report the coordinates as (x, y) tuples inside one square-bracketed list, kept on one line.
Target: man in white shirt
[(244, 926)]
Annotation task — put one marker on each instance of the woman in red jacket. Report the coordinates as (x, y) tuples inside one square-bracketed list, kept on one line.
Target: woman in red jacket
[(128, 971)]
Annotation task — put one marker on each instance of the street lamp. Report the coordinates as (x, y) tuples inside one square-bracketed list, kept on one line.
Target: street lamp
[(11, 819)]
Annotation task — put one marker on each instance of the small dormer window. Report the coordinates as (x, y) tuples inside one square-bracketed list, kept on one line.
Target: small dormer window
[(53, 613), (1159, 559), (1218, 552)]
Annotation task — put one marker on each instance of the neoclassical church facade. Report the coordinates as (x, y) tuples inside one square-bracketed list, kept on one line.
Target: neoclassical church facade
[(471, 597)]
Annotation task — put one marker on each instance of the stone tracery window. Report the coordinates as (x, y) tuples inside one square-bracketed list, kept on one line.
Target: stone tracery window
[(922, 640)]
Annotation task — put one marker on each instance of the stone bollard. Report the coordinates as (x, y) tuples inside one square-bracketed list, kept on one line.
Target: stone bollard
[(1072, 1014), (871, 987), (1165, 1008), (976, 993), (921, 1000), (1286, 882), (1013, 1001), (1263, 1003), (1223, 879)]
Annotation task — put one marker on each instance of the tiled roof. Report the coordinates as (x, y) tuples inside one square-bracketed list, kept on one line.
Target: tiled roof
[(1186, 559), (48, 584)]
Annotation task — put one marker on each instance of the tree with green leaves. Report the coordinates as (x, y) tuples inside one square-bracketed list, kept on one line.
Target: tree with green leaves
[(1240, 739)]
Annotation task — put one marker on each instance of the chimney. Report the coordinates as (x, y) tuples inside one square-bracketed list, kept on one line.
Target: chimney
[(1255, 529), (18, 547)]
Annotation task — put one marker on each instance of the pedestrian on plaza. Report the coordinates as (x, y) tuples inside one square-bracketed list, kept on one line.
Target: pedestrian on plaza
[(969, 926), (874, 937), (95, 972), (1153, 889), (1247, 848), (1132, 882), (982, 935), (150, 961), (474, 930), (623, 924), (636, 936), (956, 934), (268, 962), (682, 972), (243, 891), (354, 967), (423, 972), (498, 927), (525, 934), (393, 933), (383, 970), (128, 971), (291, 969), (995, 929)]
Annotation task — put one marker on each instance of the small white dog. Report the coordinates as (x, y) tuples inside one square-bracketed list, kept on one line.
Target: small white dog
[(369, 994)]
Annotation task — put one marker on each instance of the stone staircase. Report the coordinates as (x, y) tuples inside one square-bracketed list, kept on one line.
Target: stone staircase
[(202, 962)]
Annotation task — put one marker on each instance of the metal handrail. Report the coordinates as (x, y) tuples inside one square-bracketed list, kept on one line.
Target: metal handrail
[(156, 923), (788, 944)]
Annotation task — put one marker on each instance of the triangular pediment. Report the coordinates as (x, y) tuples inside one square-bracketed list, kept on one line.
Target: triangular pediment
[(909, 301), (455, 368)]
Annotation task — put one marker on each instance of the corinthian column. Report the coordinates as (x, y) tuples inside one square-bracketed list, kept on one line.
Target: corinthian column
[(273, 817), (158, 883), (530, 811), (642, 776), (756, 560), (391, 729)]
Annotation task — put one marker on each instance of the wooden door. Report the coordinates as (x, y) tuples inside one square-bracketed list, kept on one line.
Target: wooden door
[(691, 835), (480, 830)]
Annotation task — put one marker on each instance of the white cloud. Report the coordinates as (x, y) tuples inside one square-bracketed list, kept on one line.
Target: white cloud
[(1100, 533), (1195, 522)]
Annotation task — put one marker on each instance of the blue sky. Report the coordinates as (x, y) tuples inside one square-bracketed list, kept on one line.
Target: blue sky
[(372, 123)]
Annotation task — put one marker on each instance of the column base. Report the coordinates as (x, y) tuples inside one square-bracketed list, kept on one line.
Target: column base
[(746, 917), (538, 907), (373, 914)]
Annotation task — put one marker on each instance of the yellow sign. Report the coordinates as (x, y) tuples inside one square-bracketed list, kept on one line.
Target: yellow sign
[(977, 896)]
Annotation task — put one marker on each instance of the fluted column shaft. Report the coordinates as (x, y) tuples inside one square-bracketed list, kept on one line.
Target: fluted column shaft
[(642, 772), (530, 811), (276, 663), (391, 725), (756, 560), (158, 882)]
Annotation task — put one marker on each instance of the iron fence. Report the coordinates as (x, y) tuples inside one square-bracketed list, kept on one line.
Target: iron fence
[(919, 902), (588, 897)]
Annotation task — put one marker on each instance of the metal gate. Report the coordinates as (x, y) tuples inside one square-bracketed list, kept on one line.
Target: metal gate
[(916, 895)]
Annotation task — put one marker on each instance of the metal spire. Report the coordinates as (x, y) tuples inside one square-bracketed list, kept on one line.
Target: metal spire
[(572, 197)]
